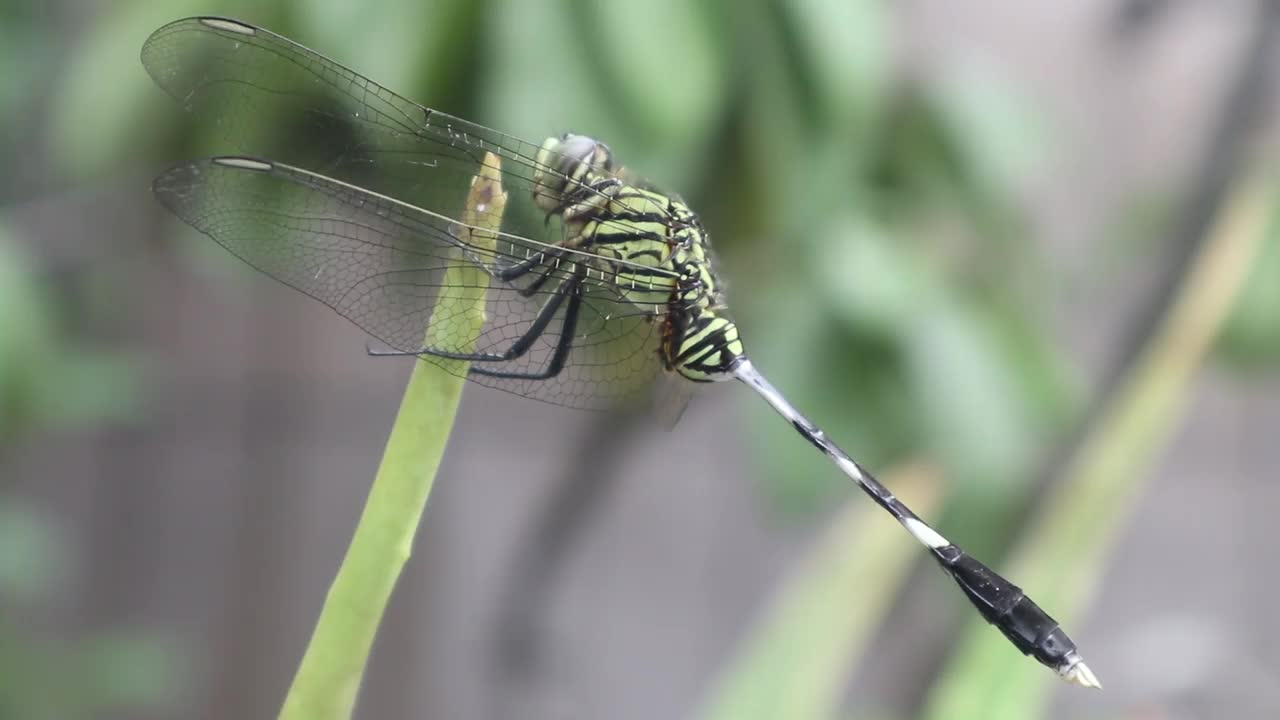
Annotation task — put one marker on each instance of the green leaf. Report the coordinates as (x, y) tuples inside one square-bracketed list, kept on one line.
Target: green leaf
[(973, 415), (1036, 367), (672, 93), (388, 46), (44, 379), (844, 47), (559, 96), (26, 340), (1000, 139), (868, 278), (1251, 336)]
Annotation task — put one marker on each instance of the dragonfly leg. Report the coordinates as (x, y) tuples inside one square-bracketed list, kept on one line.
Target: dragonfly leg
[(526, 266), (563, 346), (517, 349), (522, 344), (543, 275)]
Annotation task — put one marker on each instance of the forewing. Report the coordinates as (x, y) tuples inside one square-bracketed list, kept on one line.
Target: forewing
[(381, 263), (271, 97)]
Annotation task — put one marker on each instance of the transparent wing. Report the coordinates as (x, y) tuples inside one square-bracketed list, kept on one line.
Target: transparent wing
[(359, 206), (271, 97), (381, 263)]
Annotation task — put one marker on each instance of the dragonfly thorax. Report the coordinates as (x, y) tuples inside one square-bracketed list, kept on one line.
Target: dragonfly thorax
[(651, 243)]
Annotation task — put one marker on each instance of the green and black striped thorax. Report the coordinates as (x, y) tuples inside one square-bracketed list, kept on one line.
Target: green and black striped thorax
[(667, 253)]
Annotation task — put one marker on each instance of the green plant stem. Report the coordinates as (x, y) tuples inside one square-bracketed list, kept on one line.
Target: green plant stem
[(329, 677), (1061, 562)]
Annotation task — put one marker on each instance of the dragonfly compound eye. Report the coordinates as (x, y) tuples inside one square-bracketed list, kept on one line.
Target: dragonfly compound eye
[(582, 149), (569, 161)]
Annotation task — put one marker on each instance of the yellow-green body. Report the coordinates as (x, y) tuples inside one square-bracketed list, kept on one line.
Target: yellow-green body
[(651, 246)]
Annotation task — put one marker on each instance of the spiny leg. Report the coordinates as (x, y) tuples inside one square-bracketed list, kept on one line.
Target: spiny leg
[(1000, 602), (548, 260), (563, 346), (538, 282), (518, 348)]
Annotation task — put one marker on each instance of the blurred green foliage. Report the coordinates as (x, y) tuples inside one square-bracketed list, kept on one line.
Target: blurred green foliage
[(48, 382), (48, 379), (46, 676), (1251, 337), (872, 246)]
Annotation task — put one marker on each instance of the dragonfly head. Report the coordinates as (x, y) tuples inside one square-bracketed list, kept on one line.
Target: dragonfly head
[(583, 149), (565, 162)]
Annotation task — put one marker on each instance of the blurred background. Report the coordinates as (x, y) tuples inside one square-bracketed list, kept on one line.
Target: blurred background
[(1020, 258)]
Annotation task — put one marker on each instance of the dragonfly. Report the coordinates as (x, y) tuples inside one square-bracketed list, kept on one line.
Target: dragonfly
[(601, 287)]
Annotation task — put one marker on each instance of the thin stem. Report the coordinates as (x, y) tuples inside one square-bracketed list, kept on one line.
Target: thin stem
[(332, 668)]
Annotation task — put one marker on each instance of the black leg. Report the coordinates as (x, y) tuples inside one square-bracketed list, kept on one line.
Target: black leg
[(522, 343), (548, 258), (567, 330), (522, 268), (542, 278)]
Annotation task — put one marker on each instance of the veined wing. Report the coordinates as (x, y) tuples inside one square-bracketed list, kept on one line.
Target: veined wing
[(382, 263), (271, 97)]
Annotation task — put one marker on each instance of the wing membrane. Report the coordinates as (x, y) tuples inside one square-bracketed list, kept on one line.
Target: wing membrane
[(381, 264), (272, 97)]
